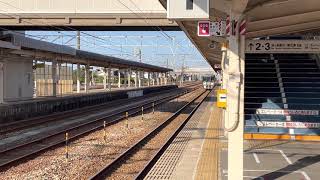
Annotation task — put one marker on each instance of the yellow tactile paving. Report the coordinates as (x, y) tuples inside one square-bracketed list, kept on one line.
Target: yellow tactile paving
[(208, 165), (280, 137)]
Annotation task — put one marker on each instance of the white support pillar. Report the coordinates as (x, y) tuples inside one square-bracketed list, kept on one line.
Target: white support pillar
[(109, 79), (152, 78), (129, 78), (142, 78), (148, 79), (181, 79), (86, 79), (1, 83), (165, 78), (139, 79), (161, 79), (54, 77), (136, 79), (158, 79), (119, 79), (235, 104), (105, 79), (78, 78), (35, 93), (58, 77)]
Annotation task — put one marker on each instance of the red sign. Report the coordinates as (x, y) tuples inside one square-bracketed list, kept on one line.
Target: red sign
[(204, 28)]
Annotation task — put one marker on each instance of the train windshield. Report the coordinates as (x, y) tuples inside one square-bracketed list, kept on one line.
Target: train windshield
[(208, 78)]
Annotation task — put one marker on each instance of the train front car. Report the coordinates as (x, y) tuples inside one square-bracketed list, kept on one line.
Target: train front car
[(208, 82)]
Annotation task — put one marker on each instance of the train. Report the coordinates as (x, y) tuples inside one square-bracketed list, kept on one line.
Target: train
[(208, 81)]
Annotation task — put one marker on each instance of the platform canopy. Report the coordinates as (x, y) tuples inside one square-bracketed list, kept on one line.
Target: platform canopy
[(16, 44), (264, 18)]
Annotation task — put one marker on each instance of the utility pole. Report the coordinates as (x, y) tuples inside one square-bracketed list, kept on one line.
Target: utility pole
[(78, 40), (138, 54), (182, 70)]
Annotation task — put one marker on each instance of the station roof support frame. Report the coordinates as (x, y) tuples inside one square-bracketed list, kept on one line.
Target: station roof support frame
[(20, 45)]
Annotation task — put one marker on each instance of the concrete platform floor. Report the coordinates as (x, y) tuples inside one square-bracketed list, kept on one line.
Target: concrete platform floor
[(271, 159), (200, 152), (194, 154)]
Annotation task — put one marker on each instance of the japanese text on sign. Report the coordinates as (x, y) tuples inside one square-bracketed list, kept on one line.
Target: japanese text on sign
[(285, 124), (288, 112), (282, 46), (208, 28)]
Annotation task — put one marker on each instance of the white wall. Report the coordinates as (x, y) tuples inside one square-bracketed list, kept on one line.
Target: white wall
[(18, 80)]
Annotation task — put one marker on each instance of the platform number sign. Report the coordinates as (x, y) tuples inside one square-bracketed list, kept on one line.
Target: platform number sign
[(282, 46), (204, 28), (258, 46)]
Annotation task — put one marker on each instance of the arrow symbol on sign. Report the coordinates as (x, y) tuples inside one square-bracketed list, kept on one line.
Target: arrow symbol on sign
[(251, 46)]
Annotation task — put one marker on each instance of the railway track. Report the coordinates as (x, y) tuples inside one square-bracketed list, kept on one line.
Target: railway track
[(124, 158), (16, 126), (22, 151)]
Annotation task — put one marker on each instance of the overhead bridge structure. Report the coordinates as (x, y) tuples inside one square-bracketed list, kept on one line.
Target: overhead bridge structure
[(264, 88), (86, 15)]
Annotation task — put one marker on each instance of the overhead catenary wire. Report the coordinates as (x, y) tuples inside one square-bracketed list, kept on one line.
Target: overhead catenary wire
[(145, 19), (58, 28), (165, 35)]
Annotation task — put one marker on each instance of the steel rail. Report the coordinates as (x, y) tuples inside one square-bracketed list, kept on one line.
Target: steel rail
[(159, 153), (109, 168), (73, 134)]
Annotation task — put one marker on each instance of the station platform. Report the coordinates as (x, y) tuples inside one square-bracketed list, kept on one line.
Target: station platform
[(194, 153), (200, 151), (43, 106), (274, 159)]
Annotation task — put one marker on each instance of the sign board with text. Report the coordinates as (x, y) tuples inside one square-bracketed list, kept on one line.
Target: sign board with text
[(222, 98), (211, 28), (287, 124), (204, 28), (282, 46), (288, 112), (218, 28)]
